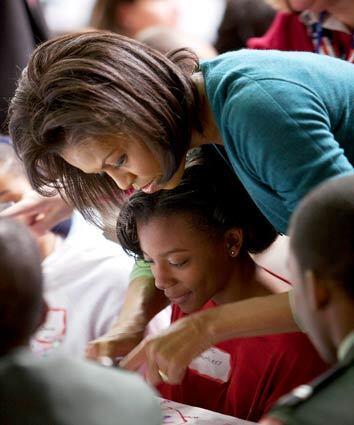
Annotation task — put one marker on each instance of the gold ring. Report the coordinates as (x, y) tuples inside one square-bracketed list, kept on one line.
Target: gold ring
[(163, 376)]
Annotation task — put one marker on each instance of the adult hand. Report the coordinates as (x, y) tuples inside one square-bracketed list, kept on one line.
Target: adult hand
[(142, 302), (38, 212), (168, 354)]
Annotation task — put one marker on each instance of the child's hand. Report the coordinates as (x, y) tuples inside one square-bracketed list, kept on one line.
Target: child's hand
[(38, 212), (116, 343)]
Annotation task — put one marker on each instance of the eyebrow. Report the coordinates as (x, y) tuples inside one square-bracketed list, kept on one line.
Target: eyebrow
[(4, 192), (171, 251)]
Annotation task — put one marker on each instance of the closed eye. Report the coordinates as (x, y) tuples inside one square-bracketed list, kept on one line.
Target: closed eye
[(121, 161), (148, 261), (178, 265)]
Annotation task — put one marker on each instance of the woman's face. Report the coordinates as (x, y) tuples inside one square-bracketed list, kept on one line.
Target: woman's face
[(129, 163), (189, 265), (141, 14)]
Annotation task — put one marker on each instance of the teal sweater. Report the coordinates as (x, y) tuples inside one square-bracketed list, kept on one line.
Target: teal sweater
[(287, 122)]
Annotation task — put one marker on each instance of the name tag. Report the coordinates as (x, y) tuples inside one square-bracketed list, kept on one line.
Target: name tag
[(52, 333), (213, 363)]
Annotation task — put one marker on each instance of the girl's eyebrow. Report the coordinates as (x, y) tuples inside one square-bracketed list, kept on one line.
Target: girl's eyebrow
[(171, 251)]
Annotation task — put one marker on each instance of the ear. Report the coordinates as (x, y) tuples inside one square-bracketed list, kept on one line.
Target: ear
[(317, 290), (234, 241)]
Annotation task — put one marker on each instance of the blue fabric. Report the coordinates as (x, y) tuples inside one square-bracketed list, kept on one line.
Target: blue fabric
[(286, 120), (5, 140), (63, 228)]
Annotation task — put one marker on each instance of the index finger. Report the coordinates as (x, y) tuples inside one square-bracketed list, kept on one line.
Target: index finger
[(19, 208), (136, 358)]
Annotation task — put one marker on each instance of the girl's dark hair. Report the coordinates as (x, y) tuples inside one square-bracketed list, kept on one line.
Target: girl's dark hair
[(213, 196), (98, 85)]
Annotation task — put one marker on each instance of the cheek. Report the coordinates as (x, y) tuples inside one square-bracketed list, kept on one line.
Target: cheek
[(144, 164), (298, 302), (207, 282)]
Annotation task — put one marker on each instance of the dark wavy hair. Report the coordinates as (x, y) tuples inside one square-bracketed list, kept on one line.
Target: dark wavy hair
[(97, 85), (210, 194)]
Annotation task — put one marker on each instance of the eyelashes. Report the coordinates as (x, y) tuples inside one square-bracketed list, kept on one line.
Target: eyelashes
[(177, 265), (121, 161)]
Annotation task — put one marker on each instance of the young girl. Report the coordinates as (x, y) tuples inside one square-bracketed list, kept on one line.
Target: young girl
[(98, 114), (198, 240)]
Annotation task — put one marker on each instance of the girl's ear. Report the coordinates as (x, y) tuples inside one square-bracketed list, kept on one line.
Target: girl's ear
[(234, 241)]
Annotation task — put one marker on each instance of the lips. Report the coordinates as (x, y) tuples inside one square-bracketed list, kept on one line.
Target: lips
[(150, 187), (129, 192), (180, 299)]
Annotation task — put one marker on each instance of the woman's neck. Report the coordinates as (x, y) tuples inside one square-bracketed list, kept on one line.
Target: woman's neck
[(248, 280), (210, 133)]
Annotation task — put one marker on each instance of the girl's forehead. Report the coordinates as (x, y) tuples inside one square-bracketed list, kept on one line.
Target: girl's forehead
[(172, 226)]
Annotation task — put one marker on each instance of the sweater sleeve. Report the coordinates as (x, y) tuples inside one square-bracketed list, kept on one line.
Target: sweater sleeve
[(141, 269)]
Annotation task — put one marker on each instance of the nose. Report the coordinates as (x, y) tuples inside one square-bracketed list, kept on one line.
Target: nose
[(163, 278), (123, 179)]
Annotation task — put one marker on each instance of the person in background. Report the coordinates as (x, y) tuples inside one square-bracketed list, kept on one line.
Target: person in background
[(166, 39), (153, 22), (242, 20), (85, 275), (55, 390), (324, 27), (129, 17), (321, 262), (206, 262), (22, 27)]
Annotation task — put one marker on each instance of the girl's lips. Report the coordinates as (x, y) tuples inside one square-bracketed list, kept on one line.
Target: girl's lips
[(179, 300)]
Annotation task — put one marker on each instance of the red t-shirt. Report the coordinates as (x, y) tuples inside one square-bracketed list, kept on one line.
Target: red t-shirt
[(288, 33), (243, 377)]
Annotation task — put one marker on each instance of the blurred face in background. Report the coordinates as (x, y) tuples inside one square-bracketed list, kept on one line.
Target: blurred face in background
[(12, 188), (141, 14), (343, 10)]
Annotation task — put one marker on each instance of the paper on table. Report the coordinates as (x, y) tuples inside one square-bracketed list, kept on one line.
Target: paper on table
[(180, 414)]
